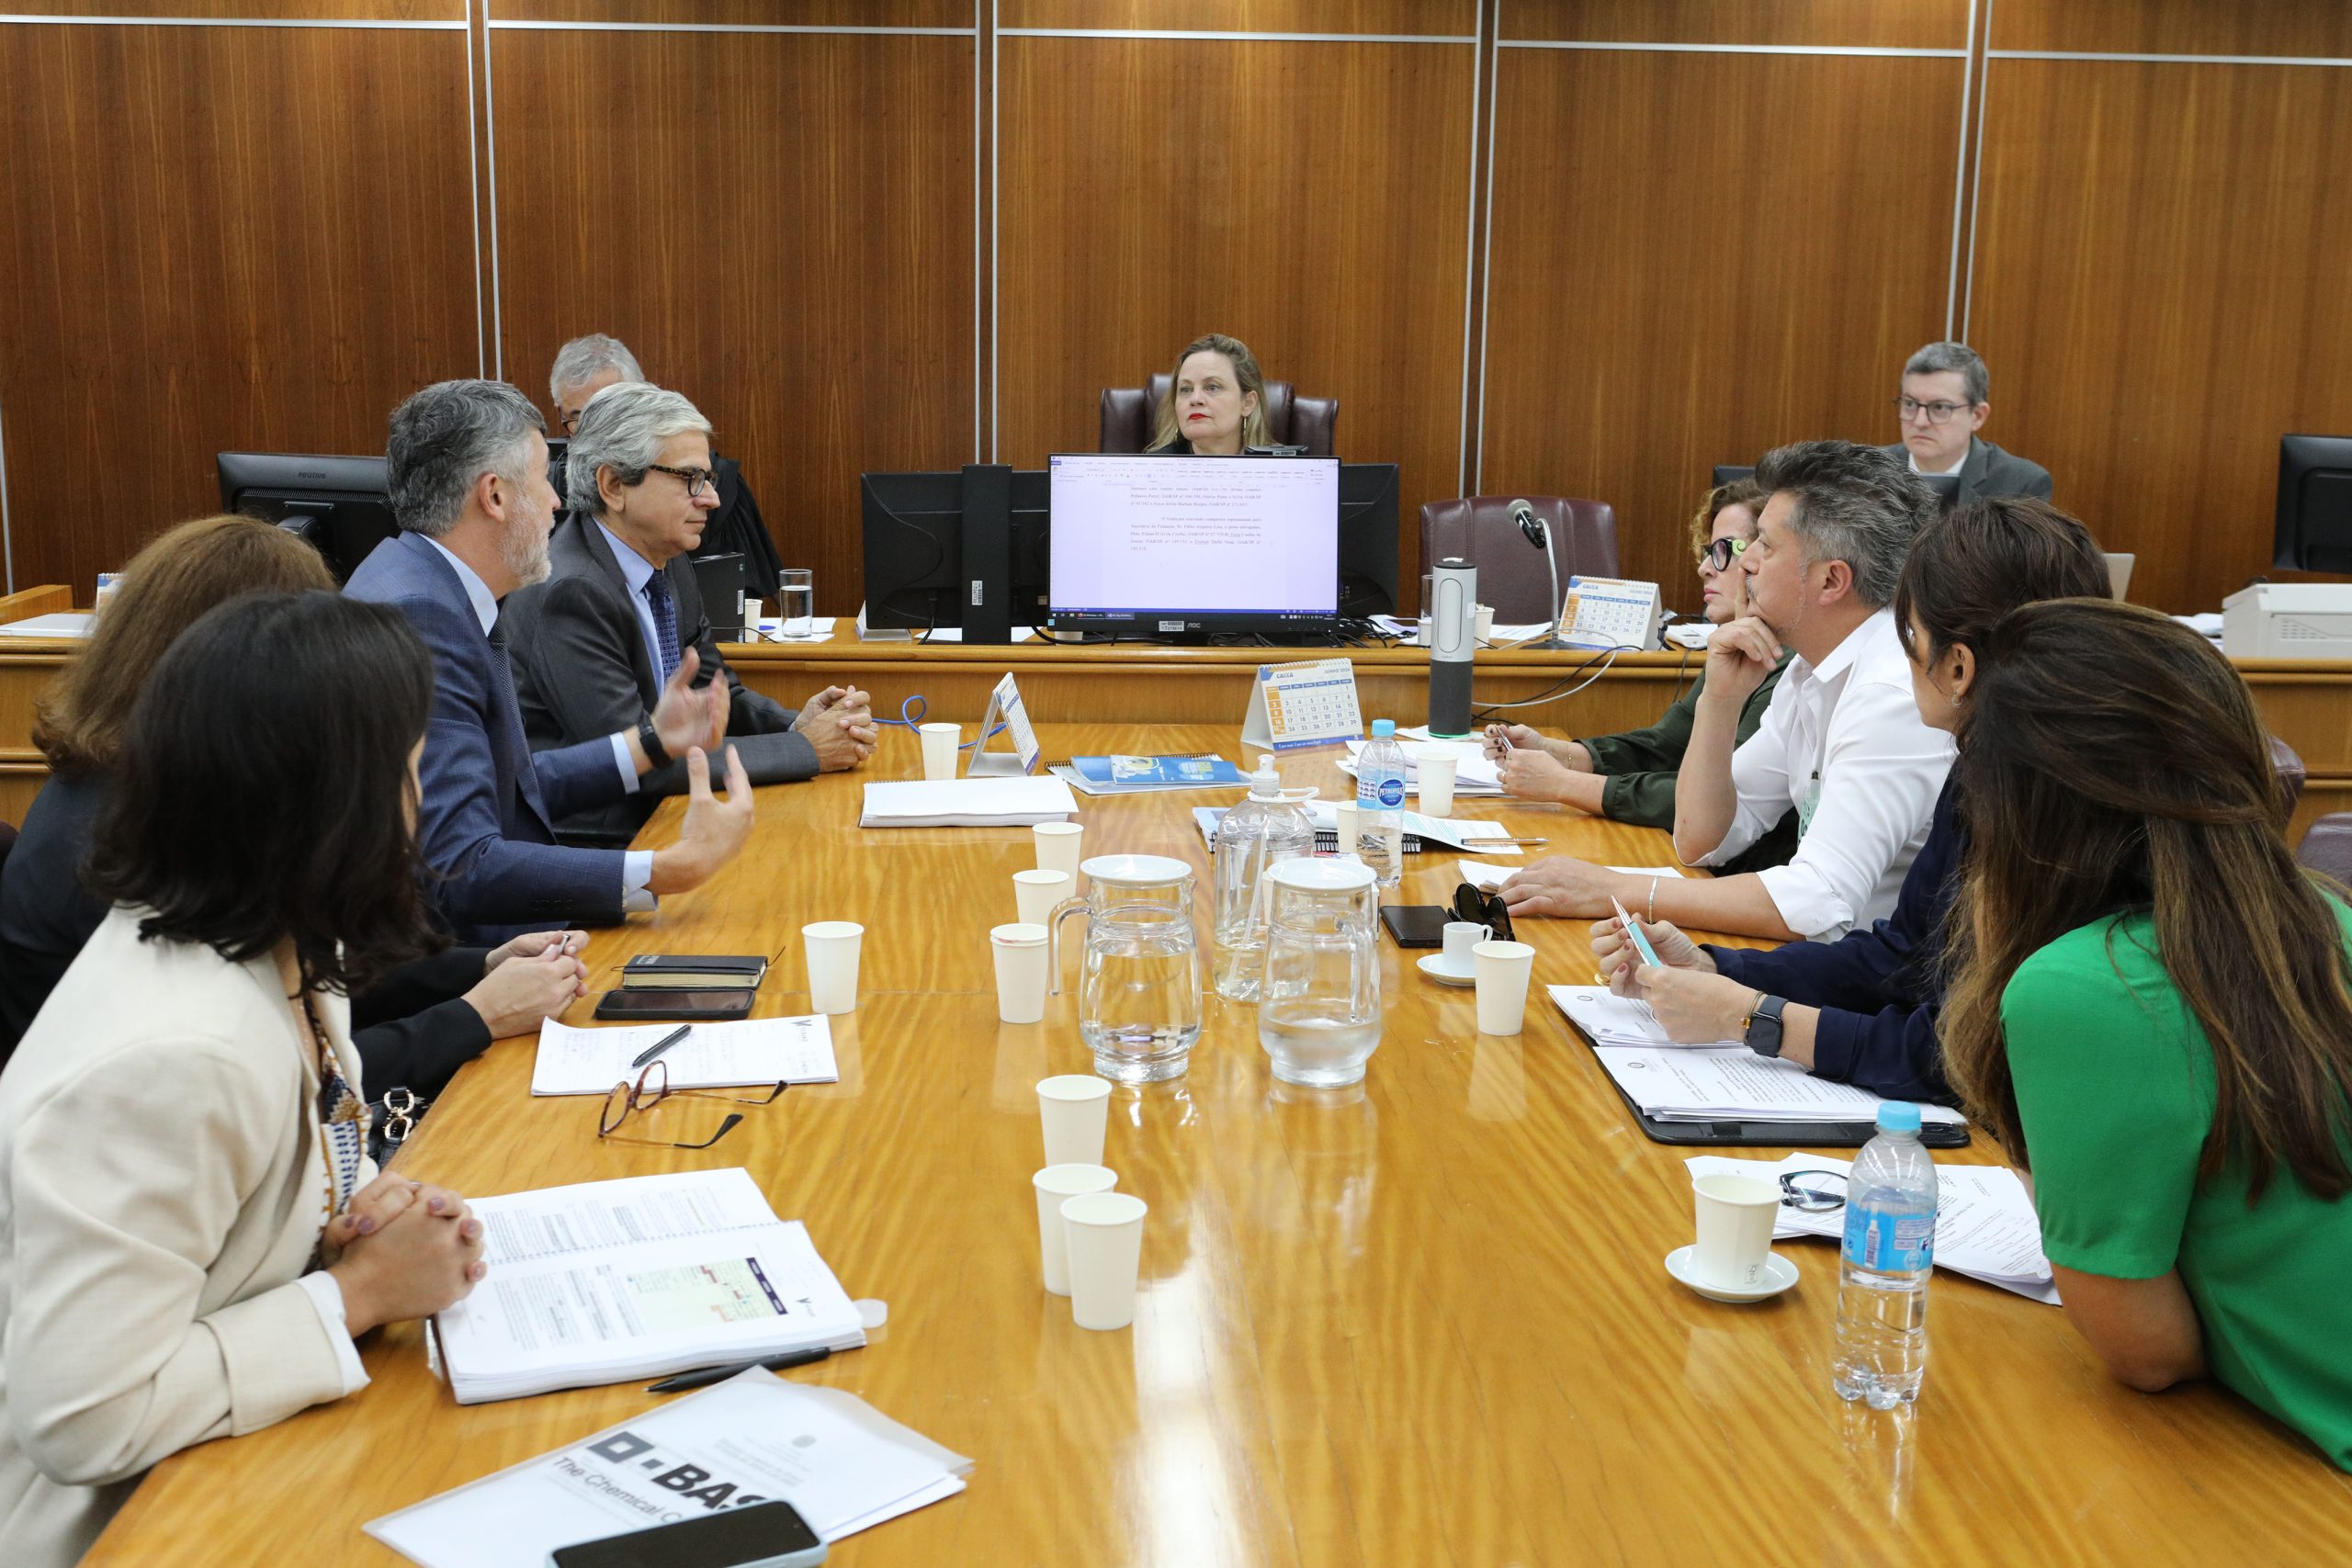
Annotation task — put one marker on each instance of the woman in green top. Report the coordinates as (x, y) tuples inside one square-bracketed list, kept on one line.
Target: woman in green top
[(1631, 777), (2151, 1010)]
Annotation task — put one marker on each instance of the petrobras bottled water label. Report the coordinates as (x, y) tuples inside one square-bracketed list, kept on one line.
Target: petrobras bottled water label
[(1391, 792), (1889, 1243)]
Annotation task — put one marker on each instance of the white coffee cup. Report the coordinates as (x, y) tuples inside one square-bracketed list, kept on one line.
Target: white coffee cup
[(1103, 1233), (1501, 969), (1058, 847), (1055, 1185), (1461, 936), (1485, 623), (1034, 894), (940, 742), (1075, 1110), (1019, 952), (832, 948), (1346, 811), (1736, 1215), (1434, 771)]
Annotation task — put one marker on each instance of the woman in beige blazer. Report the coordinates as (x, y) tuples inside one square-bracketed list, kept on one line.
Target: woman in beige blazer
[(190, 1232)]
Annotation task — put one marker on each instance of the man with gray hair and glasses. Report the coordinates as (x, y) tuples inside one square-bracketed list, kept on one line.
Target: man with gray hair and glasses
[(467, 466), (621, 611), (1842, 743), (589, 364), (1942, 405)]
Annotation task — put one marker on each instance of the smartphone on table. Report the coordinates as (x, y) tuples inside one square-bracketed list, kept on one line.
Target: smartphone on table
[(759, 1535)]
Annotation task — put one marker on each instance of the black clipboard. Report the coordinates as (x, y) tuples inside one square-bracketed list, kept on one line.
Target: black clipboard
[(1729, 1133)]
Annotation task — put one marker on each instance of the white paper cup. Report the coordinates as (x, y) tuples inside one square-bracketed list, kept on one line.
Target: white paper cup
[(1347, 814), (1058, 847), (1055, 1185), (1020, 954), (939, 746), (1104, 1235), (1736, 1215), (832, 948), (1034, 894), (1501, 969), (1076, 1110), (1486, 626), (1461, 936), (1435, 771)]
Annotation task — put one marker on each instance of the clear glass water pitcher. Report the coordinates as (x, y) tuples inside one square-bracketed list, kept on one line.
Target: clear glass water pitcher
[(1318, 1003), (1139, 981)]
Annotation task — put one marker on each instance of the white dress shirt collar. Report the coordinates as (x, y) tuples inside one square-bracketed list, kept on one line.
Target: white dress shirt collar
[(1965, 453), (635, 567), (477, 592)]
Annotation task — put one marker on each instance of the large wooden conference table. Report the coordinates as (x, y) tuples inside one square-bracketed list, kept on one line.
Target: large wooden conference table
[(1424, 1322)]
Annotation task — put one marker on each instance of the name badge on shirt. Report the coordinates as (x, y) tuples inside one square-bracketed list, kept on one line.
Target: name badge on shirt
[(1807, 804)]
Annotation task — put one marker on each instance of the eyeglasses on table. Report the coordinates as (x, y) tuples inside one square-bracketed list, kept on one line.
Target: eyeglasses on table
[(650, 1089)]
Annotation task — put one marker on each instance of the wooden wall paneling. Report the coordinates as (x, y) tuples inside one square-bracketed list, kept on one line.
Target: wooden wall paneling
[(1310, 198), (1458, 19), (1696, 257), (299, 10), (779, 225), (2312, 29), (220, 239), (746, 13), (2162, 290), (1851, 23)]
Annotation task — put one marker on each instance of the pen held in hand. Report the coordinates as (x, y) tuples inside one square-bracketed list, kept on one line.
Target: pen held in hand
[(1641, 943), (661, 1044)]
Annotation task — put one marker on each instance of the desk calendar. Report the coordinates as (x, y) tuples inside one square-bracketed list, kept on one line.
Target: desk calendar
[(1004, 704), (1609, 612), (1308, 703)]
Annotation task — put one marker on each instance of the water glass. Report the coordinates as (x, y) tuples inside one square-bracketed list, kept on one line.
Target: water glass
[(796, 601)]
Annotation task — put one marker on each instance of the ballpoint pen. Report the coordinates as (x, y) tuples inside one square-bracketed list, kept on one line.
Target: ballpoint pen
[(661, 1044), (709, 1375)]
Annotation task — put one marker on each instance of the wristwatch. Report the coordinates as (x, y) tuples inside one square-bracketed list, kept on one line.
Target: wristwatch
[(1761, 1028), (649, 738)]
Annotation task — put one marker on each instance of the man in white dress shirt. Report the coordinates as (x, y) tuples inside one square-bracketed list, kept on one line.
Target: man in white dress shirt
[(1842, 743)]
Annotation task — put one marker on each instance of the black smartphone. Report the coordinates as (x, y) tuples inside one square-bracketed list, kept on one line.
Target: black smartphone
[(690, 1007), (1415, 925), (758, 1534)]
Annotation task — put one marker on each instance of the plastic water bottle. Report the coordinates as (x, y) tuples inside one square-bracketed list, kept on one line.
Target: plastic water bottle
[(1272, 825), (1881, 1351), (1380, 803)]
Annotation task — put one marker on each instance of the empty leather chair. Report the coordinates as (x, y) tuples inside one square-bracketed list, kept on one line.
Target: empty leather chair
[(1131, 413), (2328, 846), (2290, 772), (1511, 574)]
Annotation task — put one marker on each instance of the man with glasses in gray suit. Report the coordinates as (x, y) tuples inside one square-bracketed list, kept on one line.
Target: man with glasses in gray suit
[(1942, 406)]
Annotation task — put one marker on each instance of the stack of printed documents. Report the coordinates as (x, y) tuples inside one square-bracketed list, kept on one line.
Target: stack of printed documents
[(627, 1280), (1985, 1226), (744, 1053), (838, 1461), (1713, 1082), (1472, 774), (967, 802)]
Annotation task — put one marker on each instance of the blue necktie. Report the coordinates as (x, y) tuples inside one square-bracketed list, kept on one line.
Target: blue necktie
[(665, 622)]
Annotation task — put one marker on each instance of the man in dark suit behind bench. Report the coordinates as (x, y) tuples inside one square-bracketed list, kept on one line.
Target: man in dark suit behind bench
[(467, 467), (620, 609), (1944, 401)]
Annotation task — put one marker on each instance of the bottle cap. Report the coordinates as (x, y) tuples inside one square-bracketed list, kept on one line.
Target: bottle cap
[(1382, 728), (1263, 783), (1897, 1116)]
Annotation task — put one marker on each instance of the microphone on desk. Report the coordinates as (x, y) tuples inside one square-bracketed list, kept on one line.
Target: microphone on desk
[(1541, 538)]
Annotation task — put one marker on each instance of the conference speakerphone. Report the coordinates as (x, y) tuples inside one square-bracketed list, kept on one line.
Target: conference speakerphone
[(1170, 547)]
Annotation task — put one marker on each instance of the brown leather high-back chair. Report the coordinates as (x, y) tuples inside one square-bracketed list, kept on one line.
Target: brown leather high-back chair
[(2290, 771), (1511, 574), (2328, 846), (1130, 413)]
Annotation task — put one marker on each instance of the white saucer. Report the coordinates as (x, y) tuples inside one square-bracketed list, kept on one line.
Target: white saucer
[(1780, 1274), (1433, 965)]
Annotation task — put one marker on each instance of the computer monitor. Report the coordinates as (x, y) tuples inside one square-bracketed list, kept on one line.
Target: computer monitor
[(917, 527), (340, 504), (1731, 473), (2315, 522), (1181, 548)]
